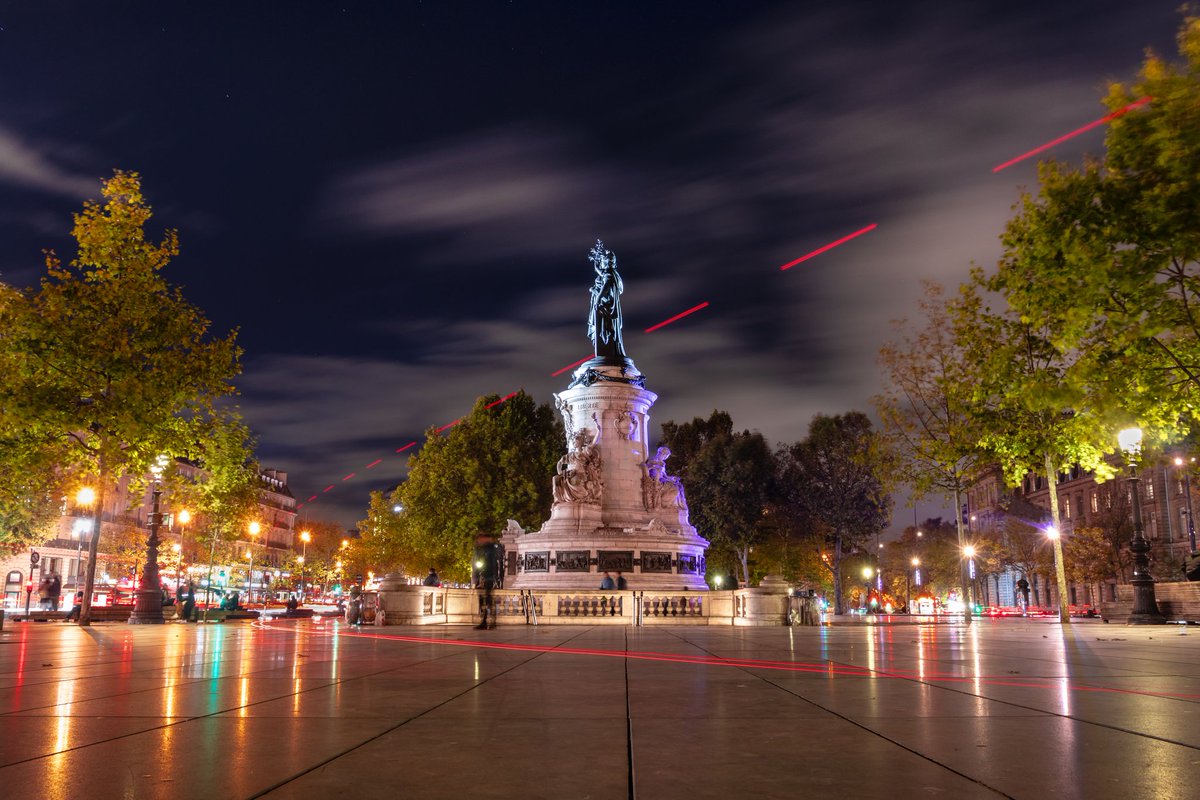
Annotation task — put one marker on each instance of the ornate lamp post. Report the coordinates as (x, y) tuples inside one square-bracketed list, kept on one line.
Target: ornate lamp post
[(147, 609), (1187, 488), (305, 537), (253, 529), (1145, 609), (84, 498)]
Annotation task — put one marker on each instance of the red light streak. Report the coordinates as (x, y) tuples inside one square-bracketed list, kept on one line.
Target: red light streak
[(314, 497), (1094, 124), (556, 373), (824, 667), (327, 488), (679, 316), (348, 477), (509, 396), (373, 463), (449, 425), (829, 246), (402, 449)]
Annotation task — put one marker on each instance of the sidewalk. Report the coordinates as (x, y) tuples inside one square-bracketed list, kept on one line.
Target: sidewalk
[(1004, 708)]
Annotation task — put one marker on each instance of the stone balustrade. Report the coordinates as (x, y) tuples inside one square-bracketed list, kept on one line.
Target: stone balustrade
[(422, 605)]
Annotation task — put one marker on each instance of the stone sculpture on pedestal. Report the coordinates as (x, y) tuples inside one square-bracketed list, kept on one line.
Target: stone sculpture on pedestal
[(615, 507)]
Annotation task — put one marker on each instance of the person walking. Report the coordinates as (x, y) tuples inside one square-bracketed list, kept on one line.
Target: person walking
[(44, 593), (487, 573), (189, 602)]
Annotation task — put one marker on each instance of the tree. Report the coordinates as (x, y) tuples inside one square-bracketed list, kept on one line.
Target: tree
[(836, 476), (1032, 411), (926, 411), (109, 365), (495, 465), (1108, 254), (728, 478)]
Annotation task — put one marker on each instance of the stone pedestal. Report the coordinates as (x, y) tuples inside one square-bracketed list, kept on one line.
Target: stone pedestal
[(615, 509)]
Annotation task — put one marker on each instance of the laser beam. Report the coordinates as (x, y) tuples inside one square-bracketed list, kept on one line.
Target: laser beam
[(829, 246), (1093, 124), (678, 316)]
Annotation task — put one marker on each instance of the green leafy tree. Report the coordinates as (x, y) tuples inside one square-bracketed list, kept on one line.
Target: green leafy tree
[(1107, 255), (729, 478), (109, 365), (1033, 413), (926, 411), (496, 464), (837, 476)]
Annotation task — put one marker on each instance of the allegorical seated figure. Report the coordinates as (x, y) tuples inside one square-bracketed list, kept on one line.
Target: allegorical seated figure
[(578, 478), (660, 490)]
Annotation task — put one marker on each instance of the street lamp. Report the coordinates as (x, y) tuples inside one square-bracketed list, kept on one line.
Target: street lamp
[(147, 610), (84, 497), (916, 565), (305, 537), (1187, 488), (253, 529), (1145, 609), (183, 517)]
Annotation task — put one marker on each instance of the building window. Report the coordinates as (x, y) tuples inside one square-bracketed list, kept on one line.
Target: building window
[(1095, 502), (1066, 504), (1152, 526), (1150, 489)]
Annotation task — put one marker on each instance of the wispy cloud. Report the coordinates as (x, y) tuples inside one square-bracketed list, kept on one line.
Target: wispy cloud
[(25, 164)]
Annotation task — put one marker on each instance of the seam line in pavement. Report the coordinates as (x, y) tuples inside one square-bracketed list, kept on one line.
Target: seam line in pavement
[(284, 782), (184, 720), (629, 727), (856, 724)]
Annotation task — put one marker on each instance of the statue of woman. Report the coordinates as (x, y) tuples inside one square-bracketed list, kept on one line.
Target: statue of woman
[(604, 321)]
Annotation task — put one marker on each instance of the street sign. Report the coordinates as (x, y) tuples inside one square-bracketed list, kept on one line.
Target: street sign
[(34, 557)]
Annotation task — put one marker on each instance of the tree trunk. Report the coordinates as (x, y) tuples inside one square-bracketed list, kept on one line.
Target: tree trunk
[(85, 611), (963, 578), (1060, 569)]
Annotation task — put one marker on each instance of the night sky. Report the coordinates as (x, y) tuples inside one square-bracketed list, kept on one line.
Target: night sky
[(394, 202)]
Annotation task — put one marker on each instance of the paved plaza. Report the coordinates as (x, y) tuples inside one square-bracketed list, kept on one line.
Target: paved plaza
[(1004, 708)]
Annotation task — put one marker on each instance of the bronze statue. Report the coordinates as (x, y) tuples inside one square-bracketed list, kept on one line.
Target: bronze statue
[(604, 321)]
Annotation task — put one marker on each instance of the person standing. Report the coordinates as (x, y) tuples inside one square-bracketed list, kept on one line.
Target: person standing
[(55, 590), (432, 578), (189, 602), (487, 572), (607, 582), (44, 593), (622, 585)]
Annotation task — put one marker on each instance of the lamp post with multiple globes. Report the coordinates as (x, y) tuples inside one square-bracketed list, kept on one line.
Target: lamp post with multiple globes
[(1145, 609), (147, 609)]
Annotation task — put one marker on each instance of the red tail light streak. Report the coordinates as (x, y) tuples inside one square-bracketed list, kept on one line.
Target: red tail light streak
[(1094, 124)]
